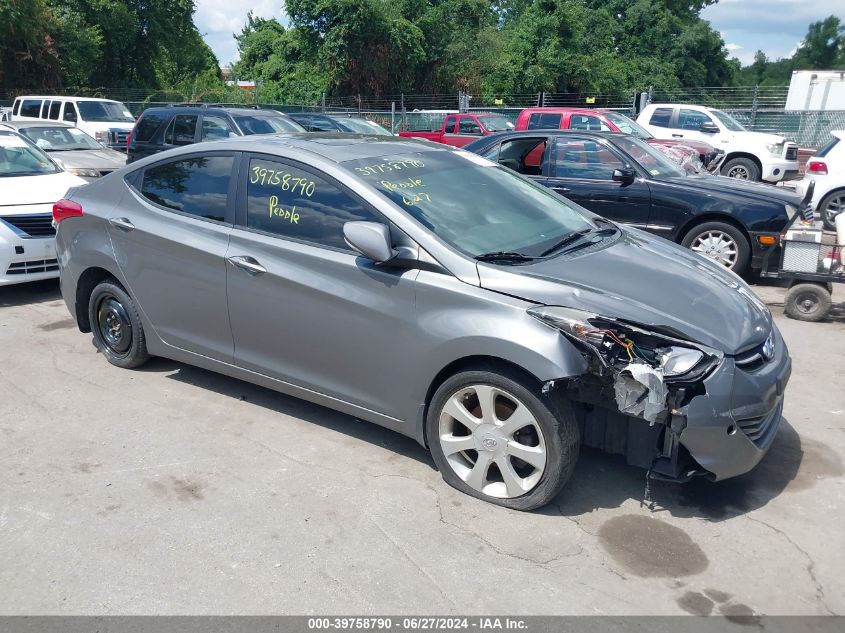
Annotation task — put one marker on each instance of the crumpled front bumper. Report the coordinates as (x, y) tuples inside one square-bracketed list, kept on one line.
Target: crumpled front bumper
[(731, 426)]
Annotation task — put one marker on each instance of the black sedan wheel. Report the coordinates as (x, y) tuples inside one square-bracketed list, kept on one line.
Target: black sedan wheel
[(116, 326), (721, 242)]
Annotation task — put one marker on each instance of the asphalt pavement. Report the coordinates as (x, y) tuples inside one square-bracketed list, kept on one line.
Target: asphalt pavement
[(174, 490)]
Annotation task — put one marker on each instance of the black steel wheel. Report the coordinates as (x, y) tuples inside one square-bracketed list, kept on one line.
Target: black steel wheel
[(116, 325)]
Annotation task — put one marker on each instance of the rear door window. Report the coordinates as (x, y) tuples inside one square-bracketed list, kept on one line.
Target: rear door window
[(197, 186), (31, 108), (287, 200), (661, 117), (587, 122), (182, 130), (147, 126), (544, 121), (55, 109)]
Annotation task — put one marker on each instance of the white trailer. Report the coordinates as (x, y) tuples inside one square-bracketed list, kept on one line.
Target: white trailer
[(816, 90)]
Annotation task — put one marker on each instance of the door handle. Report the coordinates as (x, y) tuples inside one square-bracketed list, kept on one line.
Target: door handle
[(122, 223), (563, 189), (249, 264), (677, 136)]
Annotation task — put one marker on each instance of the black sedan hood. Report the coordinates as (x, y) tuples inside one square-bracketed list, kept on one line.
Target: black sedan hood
[(644, 280), (720, 184)]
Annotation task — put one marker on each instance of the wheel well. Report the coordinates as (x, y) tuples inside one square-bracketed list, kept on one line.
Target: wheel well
[(89, 280), (482, 363), (830, 193), (712, 217), (733, 155)]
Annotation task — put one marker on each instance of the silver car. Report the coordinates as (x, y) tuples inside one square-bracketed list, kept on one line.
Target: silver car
[(432, 292), (77, 152)]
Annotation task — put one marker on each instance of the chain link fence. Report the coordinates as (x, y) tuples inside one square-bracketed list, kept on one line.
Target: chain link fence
[(758, 108)]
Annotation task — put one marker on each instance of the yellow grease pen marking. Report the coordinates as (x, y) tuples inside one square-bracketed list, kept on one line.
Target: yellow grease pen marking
[(282, 213)]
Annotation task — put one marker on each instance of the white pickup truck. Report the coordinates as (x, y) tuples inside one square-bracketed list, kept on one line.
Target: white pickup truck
[(748, 155)]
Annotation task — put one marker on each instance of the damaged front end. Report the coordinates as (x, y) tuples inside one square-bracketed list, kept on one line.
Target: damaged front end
[(647, 375)]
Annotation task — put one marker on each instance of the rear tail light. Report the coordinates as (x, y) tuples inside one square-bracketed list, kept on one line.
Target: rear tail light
[(817, 167), (129, 140), (65, 209)]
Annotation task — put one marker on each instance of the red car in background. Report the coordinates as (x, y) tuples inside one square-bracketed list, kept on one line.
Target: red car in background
[(463, 128), (596, 120)]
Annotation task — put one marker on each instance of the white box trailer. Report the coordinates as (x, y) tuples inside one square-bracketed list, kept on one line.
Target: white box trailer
[(816, 90)]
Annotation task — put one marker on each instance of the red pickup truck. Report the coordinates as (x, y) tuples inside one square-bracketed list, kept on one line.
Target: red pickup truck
[(461, 129), (601, 119)]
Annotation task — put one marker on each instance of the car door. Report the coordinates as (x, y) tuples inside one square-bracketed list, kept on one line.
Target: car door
[(215, 127), (468, 131), (581, 168), (182, 130), (305, 308), (170, 233), (688, 126)]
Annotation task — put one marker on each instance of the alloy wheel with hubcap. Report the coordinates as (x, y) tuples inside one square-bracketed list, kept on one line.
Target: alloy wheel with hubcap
[(833, 207), (740, 172), (492, 441), (717, 245)]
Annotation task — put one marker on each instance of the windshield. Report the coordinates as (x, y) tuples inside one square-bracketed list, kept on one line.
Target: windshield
[(362, 126), (728, 121), (473, 204), (107, 111), (60, 139), (496, 123), (19, 158), (628, 126), (257, 124), (653, 161)]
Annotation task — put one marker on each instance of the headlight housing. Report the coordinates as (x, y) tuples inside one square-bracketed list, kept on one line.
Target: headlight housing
[(775, 149), (83, 172), (617, 345)]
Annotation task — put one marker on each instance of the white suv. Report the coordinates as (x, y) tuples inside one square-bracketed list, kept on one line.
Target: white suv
[(748, 155), (110, 122), (827, 169)]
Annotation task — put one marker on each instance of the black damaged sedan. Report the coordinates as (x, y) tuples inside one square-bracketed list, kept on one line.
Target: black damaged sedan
[(628, 181)]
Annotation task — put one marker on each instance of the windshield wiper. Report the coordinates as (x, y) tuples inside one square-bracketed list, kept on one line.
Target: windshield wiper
[(569, 238), (504, 256)]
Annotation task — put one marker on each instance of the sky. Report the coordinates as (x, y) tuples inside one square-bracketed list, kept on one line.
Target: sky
[(773, 26)]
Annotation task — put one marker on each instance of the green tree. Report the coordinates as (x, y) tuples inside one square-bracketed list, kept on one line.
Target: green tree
[(823, 48)]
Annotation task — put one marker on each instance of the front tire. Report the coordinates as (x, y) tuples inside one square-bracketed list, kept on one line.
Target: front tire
[(116, 325), (496, 437), (721, 242), (742, 169)]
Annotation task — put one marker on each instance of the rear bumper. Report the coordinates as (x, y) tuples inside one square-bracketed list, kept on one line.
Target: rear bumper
[(732, 425)]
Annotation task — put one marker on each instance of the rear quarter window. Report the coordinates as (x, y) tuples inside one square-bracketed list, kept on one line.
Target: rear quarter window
[(661, 117)]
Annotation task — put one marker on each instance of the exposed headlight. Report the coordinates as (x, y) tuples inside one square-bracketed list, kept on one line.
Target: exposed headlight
[(82, 172), (775, 149), (618, 344)]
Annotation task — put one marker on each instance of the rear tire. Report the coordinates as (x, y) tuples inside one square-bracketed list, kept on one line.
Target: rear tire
[(807, 302), (116, 325), (741, 169), (480, 422)]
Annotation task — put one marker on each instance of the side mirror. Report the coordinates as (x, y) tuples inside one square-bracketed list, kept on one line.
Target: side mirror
[(625, 176), (371, 239), (708, 127)]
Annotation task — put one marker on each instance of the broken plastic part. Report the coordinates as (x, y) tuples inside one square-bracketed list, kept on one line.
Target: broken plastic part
[(548, 386), (640, 391)]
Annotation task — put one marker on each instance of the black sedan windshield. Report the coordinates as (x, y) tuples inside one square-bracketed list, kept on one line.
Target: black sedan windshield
[(473, 204), (653, 161)]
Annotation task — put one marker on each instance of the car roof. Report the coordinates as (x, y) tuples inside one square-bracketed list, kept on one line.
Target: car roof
[(591, 133), (333, 146), (57, 97), (17, 125), (181, 107), (552, 110)]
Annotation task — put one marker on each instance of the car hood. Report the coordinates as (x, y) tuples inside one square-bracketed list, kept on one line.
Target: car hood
[(648, 281), (91, 158), (757, 138), (30, 190), (718, 185)]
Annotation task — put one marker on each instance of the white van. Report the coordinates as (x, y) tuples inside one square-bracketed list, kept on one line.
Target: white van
[(110, 122)]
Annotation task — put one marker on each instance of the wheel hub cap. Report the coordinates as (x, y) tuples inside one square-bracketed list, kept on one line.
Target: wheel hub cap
[(718, 246), (492, 441)]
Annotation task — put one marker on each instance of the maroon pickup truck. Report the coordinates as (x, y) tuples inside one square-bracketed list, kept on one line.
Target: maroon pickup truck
[(461, 129)]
